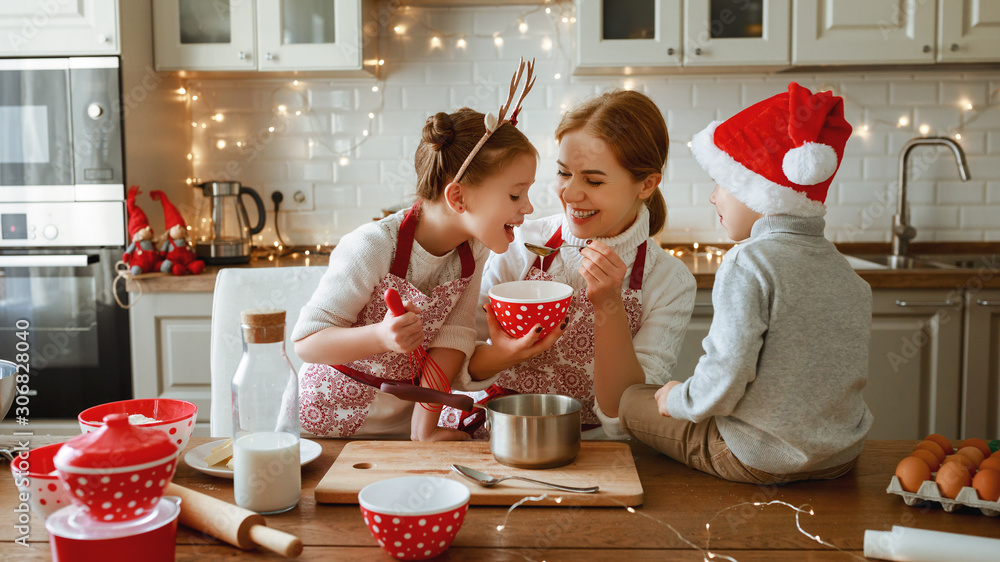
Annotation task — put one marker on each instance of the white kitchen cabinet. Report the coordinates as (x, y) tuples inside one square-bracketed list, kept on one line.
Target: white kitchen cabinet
[(59, 28), (913, 361), (264, 35), (863, 32), (981, 365), (968, 31), (651, 33), (171, 346), (736, 32)]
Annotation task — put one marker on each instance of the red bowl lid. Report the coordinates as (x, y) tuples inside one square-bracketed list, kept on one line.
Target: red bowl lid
[(115, 444)]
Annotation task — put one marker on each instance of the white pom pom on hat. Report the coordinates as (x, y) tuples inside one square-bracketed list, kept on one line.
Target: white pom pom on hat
[(810, 163)]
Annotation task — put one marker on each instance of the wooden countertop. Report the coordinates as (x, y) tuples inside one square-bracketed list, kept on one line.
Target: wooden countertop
[(678, 501), (702, 265)]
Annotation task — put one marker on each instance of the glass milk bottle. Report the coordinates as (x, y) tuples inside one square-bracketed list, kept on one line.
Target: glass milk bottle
[(267, 476)]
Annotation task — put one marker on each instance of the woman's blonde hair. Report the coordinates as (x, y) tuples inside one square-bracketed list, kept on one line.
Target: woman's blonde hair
[(631, 124), (447, 140)]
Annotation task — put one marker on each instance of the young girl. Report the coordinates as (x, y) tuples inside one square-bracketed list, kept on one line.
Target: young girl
[(433, 255), (632, 301)]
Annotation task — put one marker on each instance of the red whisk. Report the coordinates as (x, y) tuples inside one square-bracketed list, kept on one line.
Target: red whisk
[(421, 363)]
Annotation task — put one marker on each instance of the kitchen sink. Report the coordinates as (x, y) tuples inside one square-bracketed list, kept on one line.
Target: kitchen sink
[(964, 261), (887, 261)]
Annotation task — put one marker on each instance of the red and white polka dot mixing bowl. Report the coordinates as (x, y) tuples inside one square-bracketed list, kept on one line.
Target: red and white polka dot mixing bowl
[(521, 305), (172, 416), (414, 517)]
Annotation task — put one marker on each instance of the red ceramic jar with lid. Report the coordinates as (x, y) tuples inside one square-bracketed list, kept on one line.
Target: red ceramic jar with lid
[(119, 472)]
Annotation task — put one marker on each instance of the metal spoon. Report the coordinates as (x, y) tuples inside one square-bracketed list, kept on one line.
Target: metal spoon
[(487, 481), (545, 251)]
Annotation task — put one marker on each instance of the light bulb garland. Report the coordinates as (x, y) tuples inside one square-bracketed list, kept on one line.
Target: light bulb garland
[(705, 551)]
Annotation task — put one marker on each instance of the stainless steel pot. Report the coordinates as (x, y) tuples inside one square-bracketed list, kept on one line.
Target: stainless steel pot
[(534, 430), (7, 386), (526, 430)]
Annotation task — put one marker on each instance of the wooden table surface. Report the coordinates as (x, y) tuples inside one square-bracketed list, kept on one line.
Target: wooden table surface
[(678, 503)]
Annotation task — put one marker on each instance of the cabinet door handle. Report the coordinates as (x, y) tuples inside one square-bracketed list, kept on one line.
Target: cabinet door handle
[(925, 304), (703, 305), (697, 51), (954, 47), (927, 48), (981, 302), (241, 55), (670, 51), (270, 56)]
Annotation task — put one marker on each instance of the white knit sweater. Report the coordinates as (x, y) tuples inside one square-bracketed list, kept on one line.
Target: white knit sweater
[(364, 257), (668, 291)]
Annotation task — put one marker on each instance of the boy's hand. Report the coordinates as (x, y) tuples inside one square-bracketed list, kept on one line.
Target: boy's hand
[(402, 334), (604, 272), (661, 397), (525, 347)]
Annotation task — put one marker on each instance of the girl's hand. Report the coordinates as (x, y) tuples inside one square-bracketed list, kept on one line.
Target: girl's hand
[(661, 397), (525, 347), (402, 334), (604, 272)]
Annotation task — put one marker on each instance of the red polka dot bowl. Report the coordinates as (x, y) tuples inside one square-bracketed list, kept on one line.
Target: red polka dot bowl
[(119, 472), (36, 478), (414, 517), (174, 417), (521, 305)]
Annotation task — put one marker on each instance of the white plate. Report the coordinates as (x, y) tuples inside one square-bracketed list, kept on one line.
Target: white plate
[(195, 458)]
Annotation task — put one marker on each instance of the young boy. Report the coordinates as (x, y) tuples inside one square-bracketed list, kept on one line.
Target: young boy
[(777, 395)]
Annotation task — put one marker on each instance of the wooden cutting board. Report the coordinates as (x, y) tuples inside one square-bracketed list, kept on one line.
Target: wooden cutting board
[(600, 463)]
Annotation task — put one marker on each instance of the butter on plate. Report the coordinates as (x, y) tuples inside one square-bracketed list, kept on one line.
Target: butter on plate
[(221, 453)]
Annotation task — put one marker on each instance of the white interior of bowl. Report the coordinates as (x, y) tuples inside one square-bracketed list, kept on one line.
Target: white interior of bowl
[(535, 291), (413, 495)]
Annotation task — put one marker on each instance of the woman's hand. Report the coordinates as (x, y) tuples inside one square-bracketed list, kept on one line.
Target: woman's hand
[(505, 351), (604, 272), (661, 397), (402, 334)]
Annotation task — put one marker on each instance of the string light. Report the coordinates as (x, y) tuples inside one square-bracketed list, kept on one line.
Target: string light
[(924, 129), (399, 30), (460, 43), (182, 91), (522, 27), (903, 121), (435, 42), (498, 41)]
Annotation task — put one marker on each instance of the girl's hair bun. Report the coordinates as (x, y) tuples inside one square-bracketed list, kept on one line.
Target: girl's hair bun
[(439, 131)]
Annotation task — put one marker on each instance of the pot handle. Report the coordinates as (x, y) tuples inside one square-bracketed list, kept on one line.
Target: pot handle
[(261, 211), (429, 395)]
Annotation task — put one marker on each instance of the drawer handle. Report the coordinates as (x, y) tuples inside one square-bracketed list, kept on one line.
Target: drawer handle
[(980, 302), (925, 304), (703, 305)]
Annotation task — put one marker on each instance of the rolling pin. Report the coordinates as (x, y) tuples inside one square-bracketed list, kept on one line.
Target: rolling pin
[(233, 524)]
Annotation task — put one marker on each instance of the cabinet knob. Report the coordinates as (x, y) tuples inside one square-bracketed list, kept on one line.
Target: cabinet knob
[(697, 51), (102, 38), (94, 111), (270, 56), (241, 55), (954, 47), (670, 51), (927, 48)]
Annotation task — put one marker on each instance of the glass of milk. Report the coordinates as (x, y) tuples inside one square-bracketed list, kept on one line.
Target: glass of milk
[(267, 473)]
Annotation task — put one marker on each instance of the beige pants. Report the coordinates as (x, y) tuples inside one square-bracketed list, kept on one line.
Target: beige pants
[(698, 445)]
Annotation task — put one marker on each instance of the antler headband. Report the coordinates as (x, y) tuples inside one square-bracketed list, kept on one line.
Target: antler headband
[(495, 122)]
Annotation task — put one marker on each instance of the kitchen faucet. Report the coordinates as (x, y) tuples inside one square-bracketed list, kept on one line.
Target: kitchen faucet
[(902, 231)]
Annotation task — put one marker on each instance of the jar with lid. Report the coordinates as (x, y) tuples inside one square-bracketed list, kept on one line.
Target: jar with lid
[(267, 475)]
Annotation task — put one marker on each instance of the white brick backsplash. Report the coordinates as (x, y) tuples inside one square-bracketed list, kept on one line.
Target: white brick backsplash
[(417, 81), (905, 93), (979, 218), (961, 193)]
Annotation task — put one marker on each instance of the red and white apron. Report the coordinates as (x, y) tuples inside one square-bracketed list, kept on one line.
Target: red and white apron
[(332, 404), (568, 367)]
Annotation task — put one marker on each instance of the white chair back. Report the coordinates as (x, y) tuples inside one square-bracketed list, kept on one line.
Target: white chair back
[(238, 289)]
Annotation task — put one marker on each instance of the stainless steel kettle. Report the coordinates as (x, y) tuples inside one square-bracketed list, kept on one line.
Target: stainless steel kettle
[(222, 235)]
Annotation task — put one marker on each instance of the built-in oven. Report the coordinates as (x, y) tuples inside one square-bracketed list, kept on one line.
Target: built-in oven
[(62, 228)]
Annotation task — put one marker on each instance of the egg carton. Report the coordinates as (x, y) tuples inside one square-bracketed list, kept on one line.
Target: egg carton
[(929, 492)]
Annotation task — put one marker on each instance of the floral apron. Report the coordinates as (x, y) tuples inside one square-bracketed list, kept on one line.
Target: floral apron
[(568, 367), (333, 404)]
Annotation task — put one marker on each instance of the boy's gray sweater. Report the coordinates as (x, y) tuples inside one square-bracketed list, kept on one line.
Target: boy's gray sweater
[(786, 356)]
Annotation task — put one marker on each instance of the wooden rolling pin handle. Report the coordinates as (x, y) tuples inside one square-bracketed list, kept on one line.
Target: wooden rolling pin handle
[(278, 542), (231, 523)]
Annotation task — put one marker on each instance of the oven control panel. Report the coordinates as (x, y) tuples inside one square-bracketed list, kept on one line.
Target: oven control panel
[(62, 225)]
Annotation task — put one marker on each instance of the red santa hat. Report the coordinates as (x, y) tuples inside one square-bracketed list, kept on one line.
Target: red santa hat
[(171, 216), (778, 156), (137, 219)]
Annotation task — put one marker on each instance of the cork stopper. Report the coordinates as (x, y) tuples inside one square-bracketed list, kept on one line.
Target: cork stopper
[(263, 325)]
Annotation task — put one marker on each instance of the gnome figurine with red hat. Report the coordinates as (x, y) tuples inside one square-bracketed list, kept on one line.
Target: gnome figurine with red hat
[(141, 255), (178, 257)]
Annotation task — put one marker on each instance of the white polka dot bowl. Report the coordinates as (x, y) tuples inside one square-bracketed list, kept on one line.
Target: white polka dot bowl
[(174, 417), (35, 476), (119, 472), (521, 305), (414, 517)]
